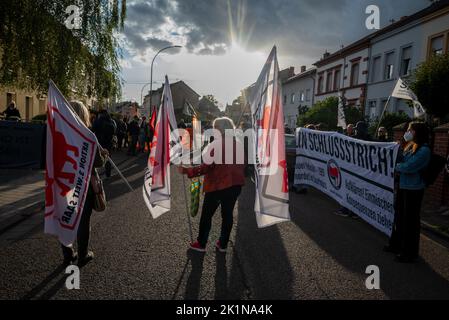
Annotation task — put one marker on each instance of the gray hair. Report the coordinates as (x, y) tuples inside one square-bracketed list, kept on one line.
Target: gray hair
[(224, 123)]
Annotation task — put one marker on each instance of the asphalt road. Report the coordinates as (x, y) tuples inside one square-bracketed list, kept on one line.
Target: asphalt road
[(317, 255)]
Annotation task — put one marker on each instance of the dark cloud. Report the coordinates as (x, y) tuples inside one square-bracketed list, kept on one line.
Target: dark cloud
[(298, 27)]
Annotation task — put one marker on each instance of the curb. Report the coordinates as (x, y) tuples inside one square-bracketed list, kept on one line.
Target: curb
[(434, 230)]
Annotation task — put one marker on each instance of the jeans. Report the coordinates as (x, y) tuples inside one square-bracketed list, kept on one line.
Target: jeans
[(407, 223), (226, 198), (83, 234)]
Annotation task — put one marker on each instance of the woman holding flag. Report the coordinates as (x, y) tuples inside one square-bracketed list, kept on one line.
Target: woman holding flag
[(83, 234), (222, 186)]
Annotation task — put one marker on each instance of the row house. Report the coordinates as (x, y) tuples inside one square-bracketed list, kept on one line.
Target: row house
[(344, 72), (298, 92), (398, 49)]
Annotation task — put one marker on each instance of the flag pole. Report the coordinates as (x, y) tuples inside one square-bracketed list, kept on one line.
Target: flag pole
[(187, 208), (120, 173), (383, 113)]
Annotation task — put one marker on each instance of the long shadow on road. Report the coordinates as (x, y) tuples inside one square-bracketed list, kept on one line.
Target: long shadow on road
[(261, 254), (355, 245)]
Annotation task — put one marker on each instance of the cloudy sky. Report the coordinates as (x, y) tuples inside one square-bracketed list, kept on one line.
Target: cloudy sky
[(226, 42)]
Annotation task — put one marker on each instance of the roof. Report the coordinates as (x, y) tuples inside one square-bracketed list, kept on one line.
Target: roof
[(307, 73), (176, 83), (365, 41)]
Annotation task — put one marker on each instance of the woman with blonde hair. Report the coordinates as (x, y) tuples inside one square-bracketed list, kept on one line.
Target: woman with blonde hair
[(84, 255), (222, 186)]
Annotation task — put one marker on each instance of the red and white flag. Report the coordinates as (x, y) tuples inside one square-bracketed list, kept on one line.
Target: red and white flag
[(156, 187), (271, 177), (71, 149)]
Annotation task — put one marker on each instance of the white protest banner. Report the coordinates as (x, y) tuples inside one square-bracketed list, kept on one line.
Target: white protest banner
[(271, 178), (403, 91), (71, 149), (156, 189), (357, 174), (341, 120)]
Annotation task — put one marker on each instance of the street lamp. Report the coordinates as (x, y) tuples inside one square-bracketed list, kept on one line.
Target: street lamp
[(151, 79), (141, 94)]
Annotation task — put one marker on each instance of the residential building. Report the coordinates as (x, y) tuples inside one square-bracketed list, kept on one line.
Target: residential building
[(398, 49), (127, 109), (298, 92), (344, 72), (181, 94)]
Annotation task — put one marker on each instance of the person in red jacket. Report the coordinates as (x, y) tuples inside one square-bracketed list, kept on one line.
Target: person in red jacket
[(222, 186)]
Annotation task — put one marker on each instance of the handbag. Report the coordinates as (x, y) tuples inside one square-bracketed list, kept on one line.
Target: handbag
[(99, 194)]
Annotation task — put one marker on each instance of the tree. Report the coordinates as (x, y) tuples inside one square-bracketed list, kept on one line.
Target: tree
[(430, 84), (389, 121), (326, 112), (37, 46), (208, 108)]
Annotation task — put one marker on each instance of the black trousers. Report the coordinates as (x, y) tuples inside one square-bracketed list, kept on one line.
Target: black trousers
[(132, 150), (407, 223), (83, 234), (226, 199)]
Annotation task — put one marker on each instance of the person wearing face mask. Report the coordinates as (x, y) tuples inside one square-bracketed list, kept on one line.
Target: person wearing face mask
[(404, 241)]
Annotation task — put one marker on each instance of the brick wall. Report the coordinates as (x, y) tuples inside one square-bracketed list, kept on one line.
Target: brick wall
[(438, 193)]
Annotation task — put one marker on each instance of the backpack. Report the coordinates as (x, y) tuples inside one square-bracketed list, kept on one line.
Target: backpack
[(433, 170)]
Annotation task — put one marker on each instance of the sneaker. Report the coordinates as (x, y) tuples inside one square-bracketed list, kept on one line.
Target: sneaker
[(219, 247), (86, 259), (197, 247), (70, 260)]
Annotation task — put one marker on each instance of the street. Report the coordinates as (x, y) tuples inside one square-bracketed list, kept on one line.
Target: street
[(317, 255)]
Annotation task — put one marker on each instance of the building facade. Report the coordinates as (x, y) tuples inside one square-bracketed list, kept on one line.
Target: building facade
[(181, 94), (298, 92), (344, 72), (397, 50)]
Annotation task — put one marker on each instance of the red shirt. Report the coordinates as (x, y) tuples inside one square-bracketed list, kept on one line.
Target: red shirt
[(223, 176)]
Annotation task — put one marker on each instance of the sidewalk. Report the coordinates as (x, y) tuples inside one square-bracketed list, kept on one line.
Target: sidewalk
[(22, 192)]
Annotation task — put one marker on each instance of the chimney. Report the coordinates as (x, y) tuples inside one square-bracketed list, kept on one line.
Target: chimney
[(303, 69), (291, 72)]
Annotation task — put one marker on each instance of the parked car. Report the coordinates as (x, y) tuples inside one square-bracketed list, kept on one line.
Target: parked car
[(290, 153)]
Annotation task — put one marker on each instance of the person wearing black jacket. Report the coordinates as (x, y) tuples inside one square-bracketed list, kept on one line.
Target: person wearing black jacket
[(11, 113), (122, 128), (105, 129), (133, 131)]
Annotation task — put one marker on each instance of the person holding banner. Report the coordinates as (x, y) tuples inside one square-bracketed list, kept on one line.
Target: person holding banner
[(222, 186), (405, 237), (83, 234)]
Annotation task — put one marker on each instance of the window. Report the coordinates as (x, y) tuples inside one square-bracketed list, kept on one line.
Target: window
[(376, 72), (437, 45), (355, 74), (320, 84), (302, 96), (389, 66), (285, 99), (329, 81), (292, 100), (337, 80), (308, 95), (406, 60), (372, 107), (10, 97)]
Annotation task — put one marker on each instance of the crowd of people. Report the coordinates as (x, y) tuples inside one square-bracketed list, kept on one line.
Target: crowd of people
[(223, 182), (412, 163)]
